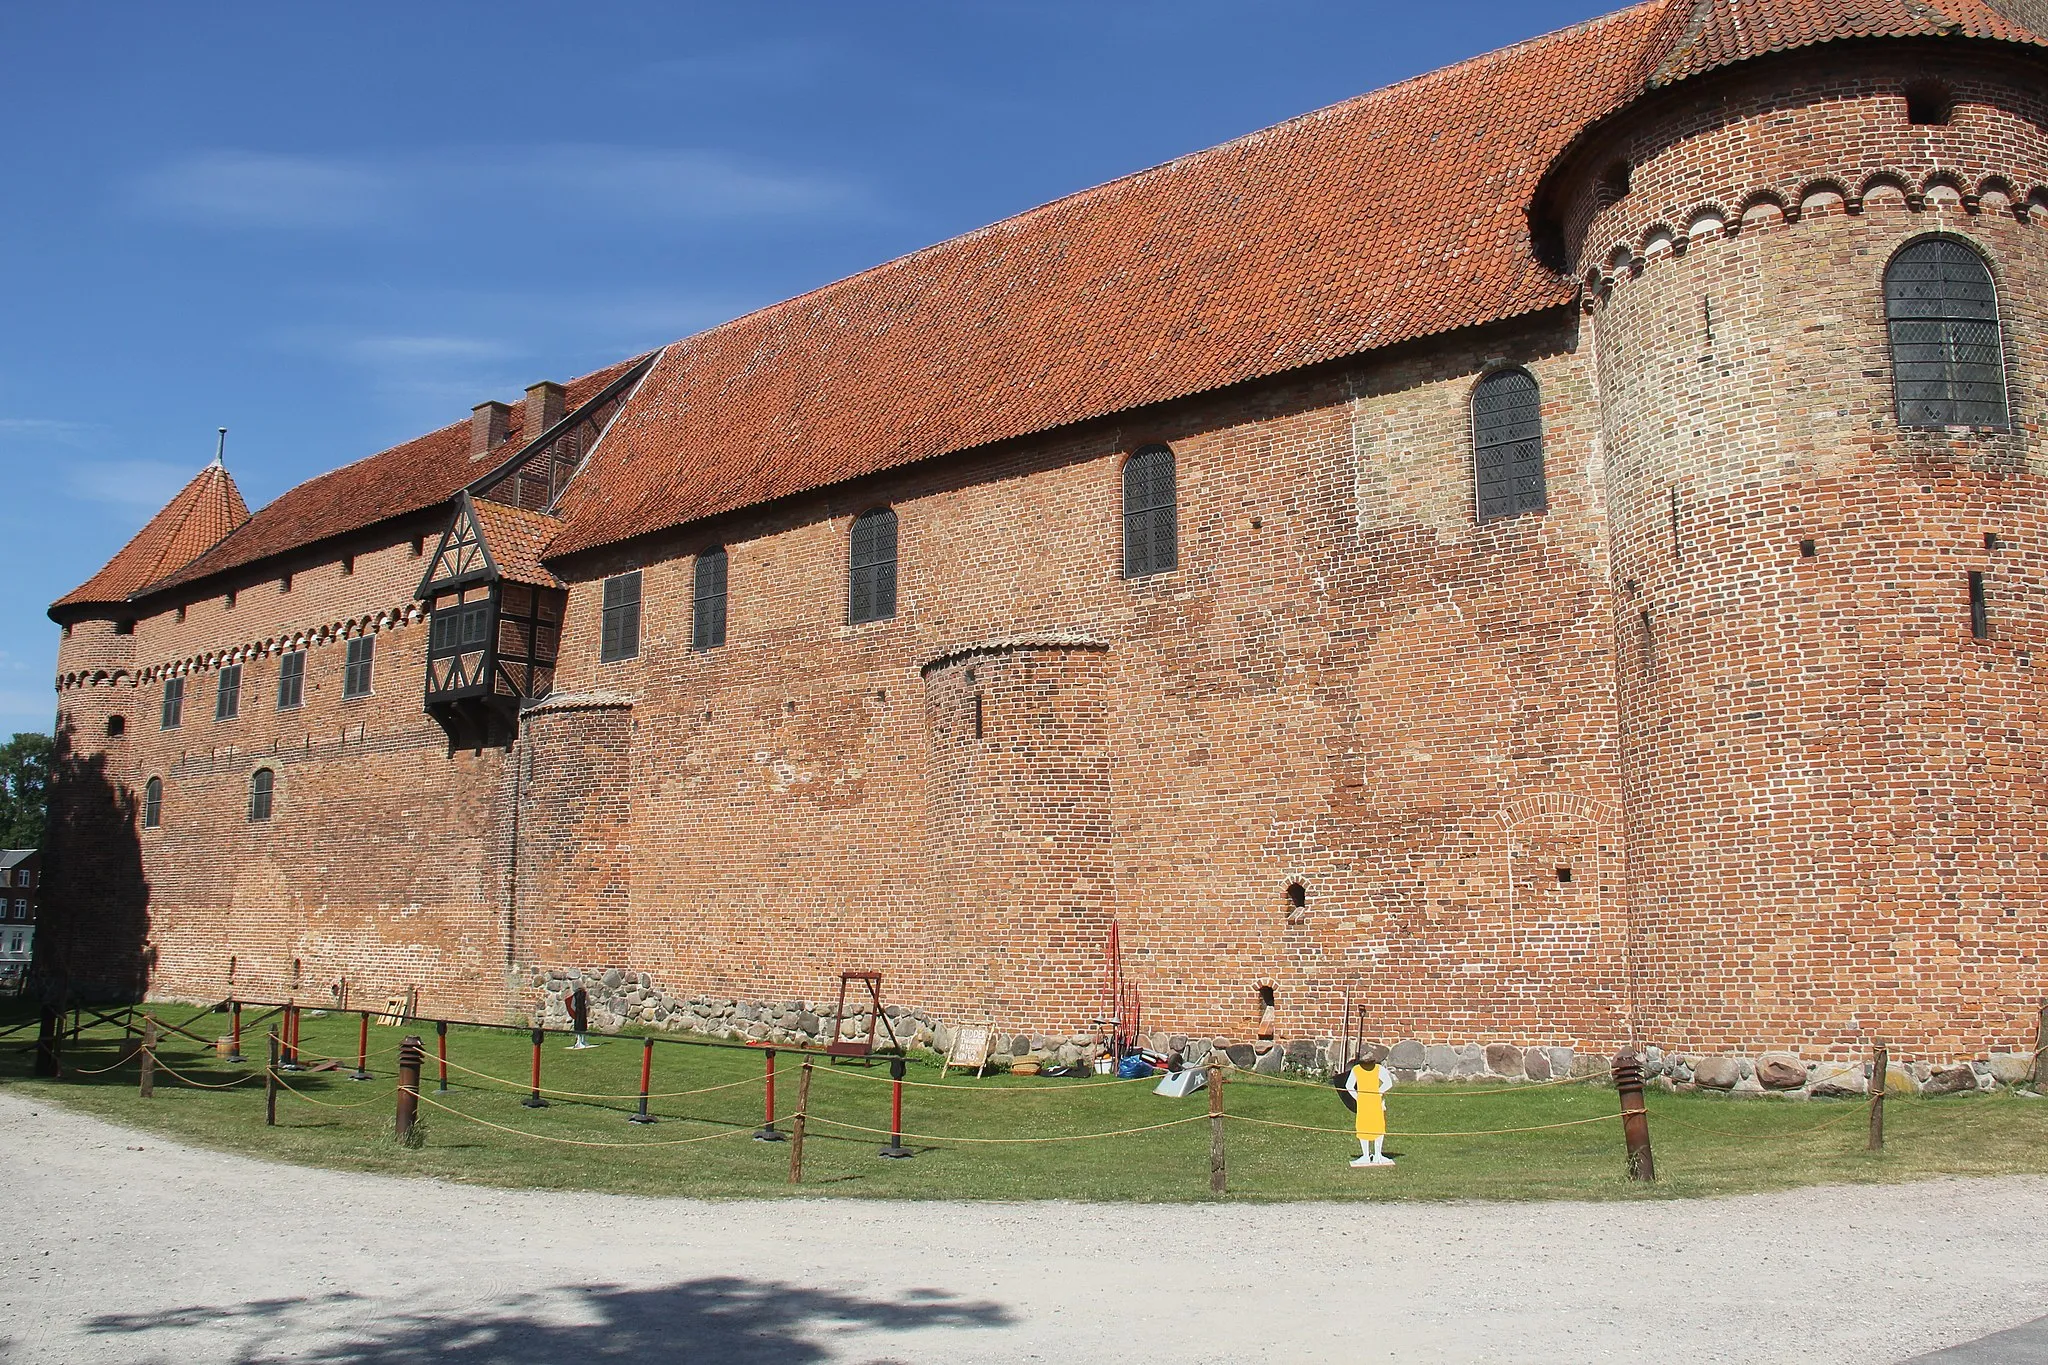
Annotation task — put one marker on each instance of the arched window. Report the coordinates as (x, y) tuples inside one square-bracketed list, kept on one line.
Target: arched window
[(1948, 363), (153, 803), (707, 618), (1151, 519), (261, 784), (1507, 445), (871, 587)]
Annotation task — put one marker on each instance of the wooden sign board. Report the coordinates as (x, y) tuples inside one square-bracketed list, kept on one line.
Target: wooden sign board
[(972, 1044)]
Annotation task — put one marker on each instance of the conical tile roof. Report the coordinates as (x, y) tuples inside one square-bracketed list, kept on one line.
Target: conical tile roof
[(203, 514)]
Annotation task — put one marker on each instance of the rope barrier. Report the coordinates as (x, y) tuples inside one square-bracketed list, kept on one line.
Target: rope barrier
[(283, 1084), (579, 1142), (844, 1075), (103, 1070), (1428, 1090), (523, 1088), (1854, 1111), (206, 1085), (1480, 1132), (1000, 1142)]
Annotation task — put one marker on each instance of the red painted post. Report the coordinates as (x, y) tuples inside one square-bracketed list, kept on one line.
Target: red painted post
[(291, 1037), (441, 1050), (534, 1101), (646, 1077), (362, 1072), (1635, 1119), (896, 1151), (767, 1132), (235, 1032)]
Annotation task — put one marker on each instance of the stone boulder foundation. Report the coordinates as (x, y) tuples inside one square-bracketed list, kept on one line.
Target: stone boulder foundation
[(1716, 1073), (1780, 1071)]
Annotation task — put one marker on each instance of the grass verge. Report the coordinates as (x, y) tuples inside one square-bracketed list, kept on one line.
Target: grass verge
[(701, 1145)]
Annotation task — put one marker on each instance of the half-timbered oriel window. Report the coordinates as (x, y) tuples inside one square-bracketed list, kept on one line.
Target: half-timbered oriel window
[(262, 786), (871, 582), (174, 703), (153, 803), (621, 633), (291, 680), (495, 616), (227, 698), (1507, 445), (1948, 356), (707, 611), (355, 673), (1151, 513)]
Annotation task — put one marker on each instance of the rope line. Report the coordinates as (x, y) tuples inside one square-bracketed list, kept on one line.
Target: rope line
[(1065, 1137), (103, 1070), (580, 1142), (1849, 1112), (524, 1088), (329, 1104), (207, 1085), (1392, 1133), (841, 1073), (1425, 1090)]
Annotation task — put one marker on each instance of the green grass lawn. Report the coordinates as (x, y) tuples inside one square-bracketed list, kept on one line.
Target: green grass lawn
[(700, 1146)]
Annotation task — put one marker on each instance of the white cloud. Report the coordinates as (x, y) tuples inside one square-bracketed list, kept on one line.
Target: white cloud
[(233, 188), (44, 431), (229, 188), (147, 484)]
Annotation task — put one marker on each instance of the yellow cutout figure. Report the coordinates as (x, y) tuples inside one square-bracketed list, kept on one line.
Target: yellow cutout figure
[(1367, 1085)]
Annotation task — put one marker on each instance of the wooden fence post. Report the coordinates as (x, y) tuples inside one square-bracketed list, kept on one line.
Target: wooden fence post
[(148, 1056), (408, 1110), (1635, 1118), (1216, 1171), (796, 1137), (1880, 1063), (270, 1082)]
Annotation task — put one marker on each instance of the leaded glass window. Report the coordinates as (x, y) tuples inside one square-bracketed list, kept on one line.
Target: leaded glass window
[(1948, 361), (707, 617), (1507, 445), (871, 588), (1151, 532), (262, 785), (621, 639)]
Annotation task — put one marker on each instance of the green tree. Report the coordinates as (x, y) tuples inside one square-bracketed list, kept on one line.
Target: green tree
[(24, 789)]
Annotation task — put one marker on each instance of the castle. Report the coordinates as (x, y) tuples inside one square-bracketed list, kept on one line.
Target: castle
[(1553, 549)]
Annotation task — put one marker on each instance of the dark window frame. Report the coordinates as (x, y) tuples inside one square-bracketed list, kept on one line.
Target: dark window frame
[(153, 803), (291, 680), (1508, 474), (174, 703), (873, 544), (708, 585), (1953, 342), (227, 693), (1151, 505), (359, 668), (262, 794), (619, 637)]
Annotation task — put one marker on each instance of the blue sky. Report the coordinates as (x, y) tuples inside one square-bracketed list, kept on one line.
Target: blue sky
[(329, 228)]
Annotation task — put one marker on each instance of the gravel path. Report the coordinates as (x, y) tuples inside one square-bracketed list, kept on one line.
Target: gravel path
[(129, 1248)]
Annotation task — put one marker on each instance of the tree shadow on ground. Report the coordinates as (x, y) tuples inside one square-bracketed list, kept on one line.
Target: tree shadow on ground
[(727, 1319)]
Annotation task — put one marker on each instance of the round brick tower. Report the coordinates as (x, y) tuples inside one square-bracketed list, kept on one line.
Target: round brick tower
[(1829, 620)]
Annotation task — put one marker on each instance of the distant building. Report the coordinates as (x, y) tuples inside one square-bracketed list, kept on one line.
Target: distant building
[(21, 886)]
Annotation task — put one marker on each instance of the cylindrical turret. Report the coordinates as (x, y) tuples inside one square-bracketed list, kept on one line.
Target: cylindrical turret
[(1828, 610)]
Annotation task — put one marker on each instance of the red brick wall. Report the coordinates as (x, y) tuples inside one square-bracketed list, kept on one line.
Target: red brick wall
[(1834, 794)]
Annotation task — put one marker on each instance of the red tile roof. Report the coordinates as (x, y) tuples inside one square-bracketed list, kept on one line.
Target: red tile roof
[(205, 512), (1704, 34), (1391, 216), (515, 538), (422, 473)]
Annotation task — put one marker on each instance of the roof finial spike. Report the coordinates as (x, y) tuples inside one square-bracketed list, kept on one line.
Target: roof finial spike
[(220, 451)]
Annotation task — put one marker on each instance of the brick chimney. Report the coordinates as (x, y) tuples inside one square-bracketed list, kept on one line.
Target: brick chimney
[(488, 425), (545, 406)]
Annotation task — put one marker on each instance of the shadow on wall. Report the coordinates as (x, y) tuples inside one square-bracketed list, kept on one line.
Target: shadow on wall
[(728, 1319), (92, 939)]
